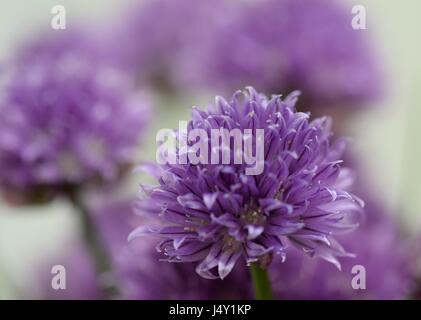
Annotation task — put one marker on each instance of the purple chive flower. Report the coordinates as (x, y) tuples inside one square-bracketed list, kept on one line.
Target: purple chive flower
[(158, 35), (379, 247), (217, 214), (277, 45), (68, 116), (135, 266)]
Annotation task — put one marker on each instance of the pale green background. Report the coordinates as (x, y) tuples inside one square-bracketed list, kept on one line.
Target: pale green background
[(386, 137)]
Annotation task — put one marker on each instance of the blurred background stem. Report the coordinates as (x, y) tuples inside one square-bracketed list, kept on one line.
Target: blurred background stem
[(95, 247), (261, 285)]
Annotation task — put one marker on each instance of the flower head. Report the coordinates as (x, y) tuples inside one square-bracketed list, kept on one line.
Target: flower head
[(216, 214), (68, 117), (277, 45), (159, 35)]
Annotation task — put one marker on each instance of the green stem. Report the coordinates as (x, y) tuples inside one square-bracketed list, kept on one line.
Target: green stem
[(261, 284), (95, 246)]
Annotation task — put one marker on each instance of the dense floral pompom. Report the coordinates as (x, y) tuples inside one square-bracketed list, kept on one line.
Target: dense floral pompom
[(216, 214), (158, 36), (68, 116), (277, 45)]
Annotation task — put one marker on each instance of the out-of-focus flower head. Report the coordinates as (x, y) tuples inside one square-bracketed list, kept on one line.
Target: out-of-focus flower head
[(279, 45), (157, 35), (216, 214), (379, 247), (68, 116), (137, 270)]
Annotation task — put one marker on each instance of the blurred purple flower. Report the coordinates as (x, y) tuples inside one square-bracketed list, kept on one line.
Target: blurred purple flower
[(217, 214), (379, 247), (279, 45), (68, 116), (157, 35)]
